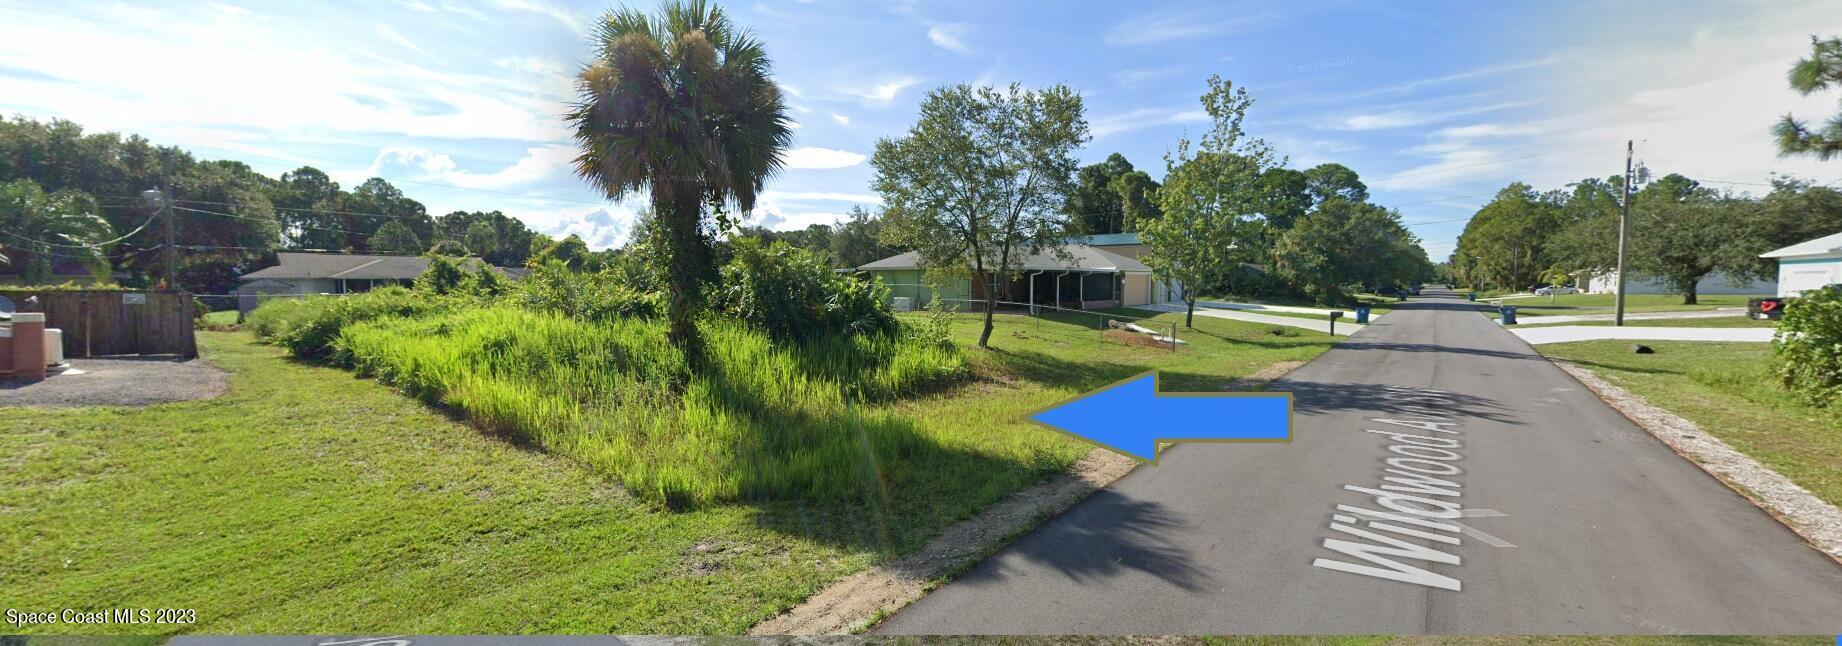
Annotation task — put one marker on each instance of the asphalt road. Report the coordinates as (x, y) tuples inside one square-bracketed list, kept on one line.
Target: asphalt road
[(1579, 522)]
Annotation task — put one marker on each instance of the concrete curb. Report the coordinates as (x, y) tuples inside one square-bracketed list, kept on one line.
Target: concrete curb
[(1814, 519)]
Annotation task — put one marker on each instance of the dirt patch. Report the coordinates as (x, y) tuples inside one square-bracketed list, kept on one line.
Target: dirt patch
[(1265, 376), (119, 381), (1817, 521), (1134, 338), (856, 602)]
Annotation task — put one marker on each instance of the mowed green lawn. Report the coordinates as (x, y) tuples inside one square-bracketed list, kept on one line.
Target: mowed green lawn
[(309, 501), (1725, 388), (1705, 321), (1603, 304)]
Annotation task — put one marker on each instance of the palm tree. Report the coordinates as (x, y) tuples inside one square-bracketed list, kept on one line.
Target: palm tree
[(58, 224), (680, 105)]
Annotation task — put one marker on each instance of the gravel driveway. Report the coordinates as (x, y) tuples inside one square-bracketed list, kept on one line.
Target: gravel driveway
[(119, 381)]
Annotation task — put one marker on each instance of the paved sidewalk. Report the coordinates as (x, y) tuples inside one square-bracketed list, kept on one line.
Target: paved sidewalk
[(1344, 327), (1257, 307), (1565, 333), (1638, 316)]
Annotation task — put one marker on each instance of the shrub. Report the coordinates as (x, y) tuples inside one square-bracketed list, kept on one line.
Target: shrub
[(598, 296), (791, 294), (444, 276), (1807, 351), (766, 420), (308, 326)]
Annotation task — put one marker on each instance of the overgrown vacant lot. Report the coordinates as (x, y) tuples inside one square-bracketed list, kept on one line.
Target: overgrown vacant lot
[(1726, 389), (310, 501)]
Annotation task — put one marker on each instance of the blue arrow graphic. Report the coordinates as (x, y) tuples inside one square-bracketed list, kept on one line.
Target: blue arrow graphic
[(1131, 417)]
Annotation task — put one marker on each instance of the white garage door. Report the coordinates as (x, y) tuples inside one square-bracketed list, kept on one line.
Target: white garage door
[(1796, 279)]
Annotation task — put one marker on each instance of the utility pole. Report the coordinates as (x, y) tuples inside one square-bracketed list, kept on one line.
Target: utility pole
[(1624, 218), (159, 198)]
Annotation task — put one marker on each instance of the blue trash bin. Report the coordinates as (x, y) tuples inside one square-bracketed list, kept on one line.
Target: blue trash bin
[(1507, 313), (1470, 296), (1362, 313)]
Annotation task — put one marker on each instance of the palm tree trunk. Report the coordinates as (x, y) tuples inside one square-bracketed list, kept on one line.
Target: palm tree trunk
[(680, 220)]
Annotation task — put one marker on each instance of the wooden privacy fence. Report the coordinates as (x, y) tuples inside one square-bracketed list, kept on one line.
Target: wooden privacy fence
[(102, 323)]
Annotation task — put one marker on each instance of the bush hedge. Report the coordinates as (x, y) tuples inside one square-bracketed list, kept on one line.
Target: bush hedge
[(1807, 351)]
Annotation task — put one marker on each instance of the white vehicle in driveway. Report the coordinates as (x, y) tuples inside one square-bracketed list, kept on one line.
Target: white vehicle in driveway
[(1556, 290)]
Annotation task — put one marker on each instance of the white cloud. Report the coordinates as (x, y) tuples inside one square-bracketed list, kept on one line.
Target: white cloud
[(254, 73), (811, 157), (1488, 130), (1143, 118), (539, 163), (947, 37), (841, 119), (881, 93), (1170, 26), (1133, 78), (539, 6), (392, 36), (1409, 118)]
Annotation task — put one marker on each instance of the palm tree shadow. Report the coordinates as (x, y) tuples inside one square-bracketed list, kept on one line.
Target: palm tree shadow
[(1106, 536)]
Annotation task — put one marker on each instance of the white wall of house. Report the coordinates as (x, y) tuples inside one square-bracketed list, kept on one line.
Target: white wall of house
[(1797, 275), (1715, 283)]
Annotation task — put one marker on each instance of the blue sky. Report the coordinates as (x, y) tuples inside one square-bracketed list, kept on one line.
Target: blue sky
[(1436, 104)]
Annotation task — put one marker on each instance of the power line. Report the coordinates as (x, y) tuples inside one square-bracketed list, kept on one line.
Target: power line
[(93, 245)]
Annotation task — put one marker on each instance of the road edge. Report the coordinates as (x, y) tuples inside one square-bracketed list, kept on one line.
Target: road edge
[(1817, 521), (860, 601)]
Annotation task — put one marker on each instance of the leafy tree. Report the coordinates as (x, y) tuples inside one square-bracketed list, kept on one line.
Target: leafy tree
[(854, 242), (1094, 204), (1211, 200), (395, 237), (680, 105), (1344, 243), (448, 248), (1137, 205), (1681, 235), (1506, 244), (481, 238), (46, 226), (572, 252), (1286, 197), (981, 181), (1819, 71), (1326, 181)]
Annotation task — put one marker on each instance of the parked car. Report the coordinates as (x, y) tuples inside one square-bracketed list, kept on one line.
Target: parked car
[(1765, 309), (1555, 290)]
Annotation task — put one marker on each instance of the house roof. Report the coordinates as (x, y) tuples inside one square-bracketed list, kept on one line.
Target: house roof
[(1829, 244), (354, 266), (1078, 257)]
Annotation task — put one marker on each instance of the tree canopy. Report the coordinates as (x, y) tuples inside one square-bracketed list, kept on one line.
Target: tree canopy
[(981, 180)]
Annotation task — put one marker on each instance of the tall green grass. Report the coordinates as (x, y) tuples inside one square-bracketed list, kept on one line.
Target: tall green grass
[(766, 420)]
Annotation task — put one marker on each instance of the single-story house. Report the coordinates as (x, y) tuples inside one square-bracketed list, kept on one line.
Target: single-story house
[(1808, 265), (300, 273), (1080, 276), (1606, 282)]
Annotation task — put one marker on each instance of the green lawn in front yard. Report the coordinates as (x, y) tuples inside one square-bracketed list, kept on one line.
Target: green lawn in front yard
[(1603, 304), (309, 501), (1704, 321), (1725, 388), (222, 317)]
